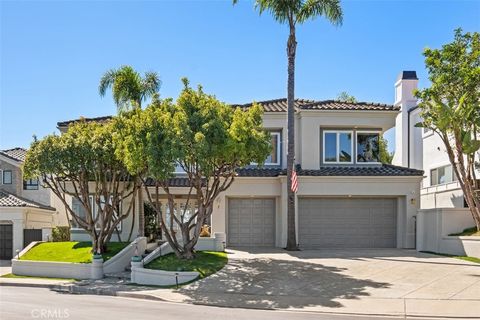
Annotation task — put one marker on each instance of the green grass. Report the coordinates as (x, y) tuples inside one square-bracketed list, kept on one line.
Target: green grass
[(470, 259), (467, 232), (205, 263), (79, 252), (14, 276)]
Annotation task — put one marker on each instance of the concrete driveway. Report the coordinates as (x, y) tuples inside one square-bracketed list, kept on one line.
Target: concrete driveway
[(5, 267), (390, 281)]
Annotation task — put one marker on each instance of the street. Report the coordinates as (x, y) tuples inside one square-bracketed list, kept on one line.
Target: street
[(40, 303)]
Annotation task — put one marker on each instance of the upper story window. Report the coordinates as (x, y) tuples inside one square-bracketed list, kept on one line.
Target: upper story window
[(275, 155), (30, 184), (7, 177), (337, 146), (368, 146), (442, 175)]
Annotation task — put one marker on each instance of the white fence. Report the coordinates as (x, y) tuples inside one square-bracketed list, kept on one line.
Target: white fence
[(435, 225)]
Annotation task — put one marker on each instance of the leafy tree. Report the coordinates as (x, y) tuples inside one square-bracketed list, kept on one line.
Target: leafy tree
[(451, 108), (207, 138), (293, 13), (384, 154), (346, 97), (129, 90), (81, 163)]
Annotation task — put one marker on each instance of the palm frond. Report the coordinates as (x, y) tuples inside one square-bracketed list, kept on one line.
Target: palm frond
[(106, 81), (330, 9), (150, 84)]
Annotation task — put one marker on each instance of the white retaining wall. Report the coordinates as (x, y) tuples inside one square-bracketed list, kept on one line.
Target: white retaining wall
[(121, 261), (80, 271), (435, 225)]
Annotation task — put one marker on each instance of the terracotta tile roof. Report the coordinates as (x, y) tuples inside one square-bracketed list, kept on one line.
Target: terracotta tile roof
[(17, 154), (9, 200), (280, 105)]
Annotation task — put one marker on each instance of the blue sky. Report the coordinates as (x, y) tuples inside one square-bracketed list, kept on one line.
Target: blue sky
[(54, 53)]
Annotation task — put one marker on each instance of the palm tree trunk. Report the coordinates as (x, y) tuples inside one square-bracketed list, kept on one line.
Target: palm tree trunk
[(291, 48)]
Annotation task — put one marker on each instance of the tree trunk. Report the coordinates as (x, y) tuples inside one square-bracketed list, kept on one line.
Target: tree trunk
[(141, 214), (291, 51)]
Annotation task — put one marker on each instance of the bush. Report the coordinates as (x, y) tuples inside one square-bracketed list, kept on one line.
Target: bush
[(205, 231), (61, 234)]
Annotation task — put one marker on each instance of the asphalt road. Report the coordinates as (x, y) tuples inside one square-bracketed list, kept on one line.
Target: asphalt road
[(40, 303)]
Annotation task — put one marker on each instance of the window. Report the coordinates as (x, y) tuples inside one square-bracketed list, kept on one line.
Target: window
[(80, 211), (30, 184), (368, 146), (337, 146), (7, 176), (442, 175), (274, 157)]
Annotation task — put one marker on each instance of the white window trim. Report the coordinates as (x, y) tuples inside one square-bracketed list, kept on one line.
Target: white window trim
[(444, 183), (356, 145), (338, 146), (278, 134)]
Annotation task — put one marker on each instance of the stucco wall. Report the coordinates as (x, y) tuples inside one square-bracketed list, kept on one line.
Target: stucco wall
[(435, 225), (17, 183)]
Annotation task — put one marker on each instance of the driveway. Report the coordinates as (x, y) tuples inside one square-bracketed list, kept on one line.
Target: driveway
[(5, 267), (384, 281)]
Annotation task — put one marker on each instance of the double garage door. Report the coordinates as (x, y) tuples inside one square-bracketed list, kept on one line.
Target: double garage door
[(347, 222), (322, 222), (251, 222)]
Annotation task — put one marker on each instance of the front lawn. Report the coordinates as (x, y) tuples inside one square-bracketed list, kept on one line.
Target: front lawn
[(71, 251), (205, 263), (467, 232)]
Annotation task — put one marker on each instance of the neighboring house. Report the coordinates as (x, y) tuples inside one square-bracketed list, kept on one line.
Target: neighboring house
[(25, 206), (423, 149), (346, 197)]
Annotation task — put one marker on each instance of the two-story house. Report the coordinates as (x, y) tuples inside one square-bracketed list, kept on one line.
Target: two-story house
[(423, 149), (346, 197), (25, 206)]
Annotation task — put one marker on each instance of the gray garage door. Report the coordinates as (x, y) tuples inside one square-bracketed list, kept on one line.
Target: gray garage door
[(251, 222), (6, 241), (347, 223)]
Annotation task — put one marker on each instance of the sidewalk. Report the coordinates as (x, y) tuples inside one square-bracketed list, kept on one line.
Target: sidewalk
[(426, 308)]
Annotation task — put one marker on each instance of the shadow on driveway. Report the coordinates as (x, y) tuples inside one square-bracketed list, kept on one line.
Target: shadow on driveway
[(266, 283)]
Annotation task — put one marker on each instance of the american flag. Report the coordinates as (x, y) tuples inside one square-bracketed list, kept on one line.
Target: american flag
[(294, 180)]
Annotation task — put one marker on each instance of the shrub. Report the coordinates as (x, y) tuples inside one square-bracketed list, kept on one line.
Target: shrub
[(205, 232), (61, 234)]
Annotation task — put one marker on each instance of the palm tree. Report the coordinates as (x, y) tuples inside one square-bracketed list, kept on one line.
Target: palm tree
[(129, 90), (293, 13)]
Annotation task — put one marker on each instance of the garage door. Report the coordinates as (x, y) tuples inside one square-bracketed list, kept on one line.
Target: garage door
[(347, 223), (251, 222), (6, 241)]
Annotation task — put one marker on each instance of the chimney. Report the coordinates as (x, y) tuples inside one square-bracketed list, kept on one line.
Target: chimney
[(407, 83)]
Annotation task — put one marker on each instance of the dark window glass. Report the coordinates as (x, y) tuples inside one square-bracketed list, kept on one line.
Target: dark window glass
[(367, 147), (345, 154), (30, 184), (330, 147), (7, 177)]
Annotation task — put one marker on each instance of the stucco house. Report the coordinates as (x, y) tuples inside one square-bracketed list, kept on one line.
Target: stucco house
[(25, 206), (346, 197)]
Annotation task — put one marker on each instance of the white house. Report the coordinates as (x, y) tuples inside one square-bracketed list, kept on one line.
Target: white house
[(346, 197), (25, 206)]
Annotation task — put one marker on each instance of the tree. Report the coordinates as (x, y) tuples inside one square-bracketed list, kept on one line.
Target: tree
[(293, 13), (129, 90), (384, 155), (207, 138), (451, 108), (81, 163), (346, 97)]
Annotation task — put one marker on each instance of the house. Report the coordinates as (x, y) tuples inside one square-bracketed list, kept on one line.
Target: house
[(346, 197), (423, 149), (25, 206)]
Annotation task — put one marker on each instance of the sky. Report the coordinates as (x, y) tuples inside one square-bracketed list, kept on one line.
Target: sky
[(52, 54)]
